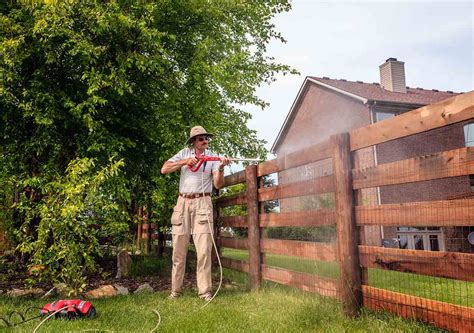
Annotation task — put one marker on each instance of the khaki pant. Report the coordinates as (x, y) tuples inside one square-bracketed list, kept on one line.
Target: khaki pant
[(192, 217)]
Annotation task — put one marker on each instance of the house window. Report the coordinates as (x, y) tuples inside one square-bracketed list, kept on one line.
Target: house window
[(469, 134), (380, 116), (469, 141), (420, 238)]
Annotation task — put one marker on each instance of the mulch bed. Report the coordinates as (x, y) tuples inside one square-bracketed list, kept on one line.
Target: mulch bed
[(158, 283)]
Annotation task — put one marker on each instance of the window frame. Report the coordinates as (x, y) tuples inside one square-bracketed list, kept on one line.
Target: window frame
[(466, 134), (425, 233)]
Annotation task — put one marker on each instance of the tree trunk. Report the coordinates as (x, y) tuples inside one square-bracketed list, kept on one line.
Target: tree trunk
[(161, 243)]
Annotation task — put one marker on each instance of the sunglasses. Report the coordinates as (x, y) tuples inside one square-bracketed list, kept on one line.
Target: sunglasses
[(203, 138)]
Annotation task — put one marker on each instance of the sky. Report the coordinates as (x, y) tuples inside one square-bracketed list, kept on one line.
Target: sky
[(349, 40)]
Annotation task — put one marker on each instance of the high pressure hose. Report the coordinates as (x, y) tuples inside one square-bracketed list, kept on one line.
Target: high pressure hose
[(213, 242), (49, 316)]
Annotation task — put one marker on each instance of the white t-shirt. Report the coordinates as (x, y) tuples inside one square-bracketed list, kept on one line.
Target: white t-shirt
[(192, 182)]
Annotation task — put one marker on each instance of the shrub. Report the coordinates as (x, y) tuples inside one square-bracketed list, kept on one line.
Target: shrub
[(74, 214)]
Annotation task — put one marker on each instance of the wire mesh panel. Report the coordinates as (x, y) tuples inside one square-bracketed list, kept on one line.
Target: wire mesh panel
[(298, 232), (415, 210), (232, 226), (410, 196)]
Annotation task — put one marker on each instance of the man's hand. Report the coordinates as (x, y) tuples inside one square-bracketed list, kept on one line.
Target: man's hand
[(219, 174), (224, 161), (169, 166), (191, 161)]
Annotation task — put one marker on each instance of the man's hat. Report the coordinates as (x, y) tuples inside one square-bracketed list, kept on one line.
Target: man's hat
[(195, 131)]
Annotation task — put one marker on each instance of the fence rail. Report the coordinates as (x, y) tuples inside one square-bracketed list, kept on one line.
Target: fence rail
[(307, 155), (314, 186), (449, 111), (307, 282), (238, 265), (239, 221), (308, 218), (432, 213), (452, 163), (231, 200), (451, 265), (233, 243), (308, 250), (449, 316), (352, 263)]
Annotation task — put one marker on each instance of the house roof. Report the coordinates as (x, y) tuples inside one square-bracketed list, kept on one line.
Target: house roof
[(373, 91), (365, 93)]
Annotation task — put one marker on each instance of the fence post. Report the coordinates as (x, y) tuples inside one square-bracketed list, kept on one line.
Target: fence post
[(261, 210), (216, 231), (255, 262), (347, 236)]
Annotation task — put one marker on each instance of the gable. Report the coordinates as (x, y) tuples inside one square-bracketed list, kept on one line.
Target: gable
[(319, 112)]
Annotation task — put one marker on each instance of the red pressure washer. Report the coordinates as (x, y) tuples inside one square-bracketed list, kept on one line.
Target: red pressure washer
[(65, 309), (71, 309), (205, 159)]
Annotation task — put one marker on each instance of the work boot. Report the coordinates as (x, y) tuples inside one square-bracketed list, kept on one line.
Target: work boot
[(173, 295)]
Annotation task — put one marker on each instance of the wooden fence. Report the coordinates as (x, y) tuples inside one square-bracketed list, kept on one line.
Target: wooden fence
[(348, 251)]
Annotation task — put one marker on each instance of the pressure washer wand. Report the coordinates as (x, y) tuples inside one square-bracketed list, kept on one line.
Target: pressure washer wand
[(205, 159), (245, 159)]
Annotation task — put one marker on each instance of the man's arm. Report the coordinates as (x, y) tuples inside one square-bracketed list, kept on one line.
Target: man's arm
[(218, 175), (169, 166)]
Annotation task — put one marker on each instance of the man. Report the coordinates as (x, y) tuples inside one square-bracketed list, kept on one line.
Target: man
[(193, 214)]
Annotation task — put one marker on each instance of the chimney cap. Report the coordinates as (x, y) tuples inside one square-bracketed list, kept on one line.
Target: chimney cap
[(391, 59)]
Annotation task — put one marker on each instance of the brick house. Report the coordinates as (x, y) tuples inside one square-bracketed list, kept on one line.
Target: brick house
[(325, 106)]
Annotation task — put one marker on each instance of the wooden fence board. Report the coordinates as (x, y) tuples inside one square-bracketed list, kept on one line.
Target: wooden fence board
[(451, 163), (446, 112), (234, 221), (234, 243), (318, 185), (454, 265), (448, 316), (309, 218), (308, 250), (238, 265), (314, 153), (231, 200), (431, 213), (235, 178), (304, 281), (269, 167)]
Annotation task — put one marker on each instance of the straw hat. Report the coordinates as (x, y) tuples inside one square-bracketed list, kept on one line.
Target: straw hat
[(195, 131)]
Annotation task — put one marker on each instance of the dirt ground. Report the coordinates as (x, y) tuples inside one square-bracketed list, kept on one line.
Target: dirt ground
[(161, 282)]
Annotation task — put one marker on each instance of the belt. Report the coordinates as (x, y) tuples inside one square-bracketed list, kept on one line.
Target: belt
[(194, 195)]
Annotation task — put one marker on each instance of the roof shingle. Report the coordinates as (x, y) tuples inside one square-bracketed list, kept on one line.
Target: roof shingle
[(373, 91)]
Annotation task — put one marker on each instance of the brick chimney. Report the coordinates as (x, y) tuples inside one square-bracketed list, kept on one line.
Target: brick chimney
[(392, 75)]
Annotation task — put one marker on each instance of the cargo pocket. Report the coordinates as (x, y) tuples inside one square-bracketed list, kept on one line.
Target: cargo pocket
[(177, 219), (203, 216)]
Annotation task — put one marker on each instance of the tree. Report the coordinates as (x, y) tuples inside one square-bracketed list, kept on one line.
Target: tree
[(103, 93)]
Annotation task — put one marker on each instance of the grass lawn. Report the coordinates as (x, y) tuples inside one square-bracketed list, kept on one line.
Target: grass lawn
[(440, 289), (274, 309)]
